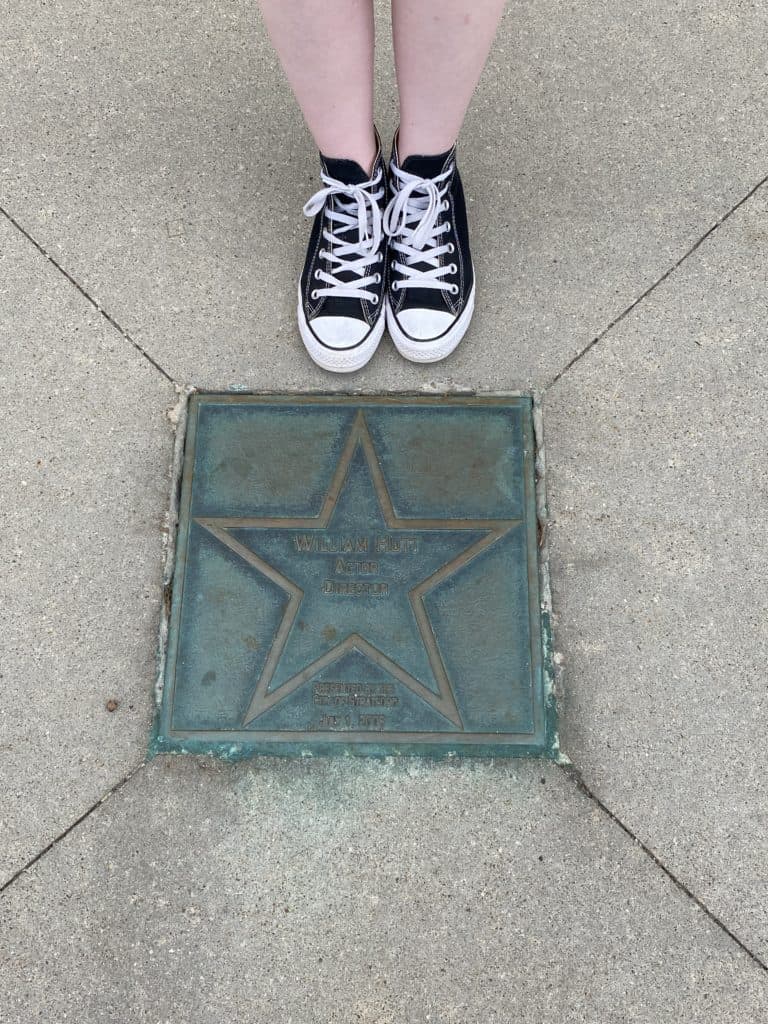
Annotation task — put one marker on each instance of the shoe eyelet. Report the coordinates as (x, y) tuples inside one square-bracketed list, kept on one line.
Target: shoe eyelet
[(452, 268), (451, 248), (447, 225), (446, 205), (454, 289), (377, 279), (375, 300), (317, 275), (395, 286)]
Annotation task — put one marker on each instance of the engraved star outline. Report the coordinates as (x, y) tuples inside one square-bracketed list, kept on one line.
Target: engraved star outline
[(444, 702)]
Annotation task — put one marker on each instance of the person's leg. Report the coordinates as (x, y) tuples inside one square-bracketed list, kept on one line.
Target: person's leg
[(326, 50), (441, 47)]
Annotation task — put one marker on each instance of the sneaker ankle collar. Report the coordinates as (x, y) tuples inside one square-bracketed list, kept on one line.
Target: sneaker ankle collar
[(348, 171), (424, 165)]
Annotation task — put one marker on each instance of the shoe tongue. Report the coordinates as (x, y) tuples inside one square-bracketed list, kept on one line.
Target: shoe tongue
[(425, 166), (347, 171)]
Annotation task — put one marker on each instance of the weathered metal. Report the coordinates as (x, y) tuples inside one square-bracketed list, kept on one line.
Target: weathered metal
[(357, 575)]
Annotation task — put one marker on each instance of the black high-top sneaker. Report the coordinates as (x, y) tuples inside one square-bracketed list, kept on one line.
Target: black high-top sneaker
[(341, 291), (431, 279)]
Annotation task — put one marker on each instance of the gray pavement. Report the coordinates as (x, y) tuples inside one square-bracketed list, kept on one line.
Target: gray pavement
[(86, 447), (659, 494), (154, 154), (330, 891)]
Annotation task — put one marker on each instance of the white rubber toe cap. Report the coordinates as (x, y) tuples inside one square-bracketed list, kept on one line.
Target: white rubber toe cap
[(425, 335), (347, 343), (339, 331), (425, 324)]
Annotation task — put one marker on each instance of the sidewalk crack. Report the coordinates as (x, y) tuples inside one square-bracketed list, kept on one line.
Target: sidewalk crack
[(70, 828), (575, 775), (651, 288), (96, 305)]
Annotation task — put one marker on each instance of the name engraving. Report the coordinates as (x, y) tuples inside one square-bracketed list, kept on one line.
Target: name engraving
[(323, 544), (345, 544), (387, 544)]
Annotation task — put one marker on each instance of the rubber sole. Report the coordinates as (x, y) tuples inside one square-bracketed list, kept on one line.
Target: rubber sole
[(343, 360), (430, 351)]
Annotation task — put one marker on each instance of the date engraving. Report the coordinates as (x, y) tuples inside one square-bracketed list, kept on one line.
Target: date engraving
[(348, 723)]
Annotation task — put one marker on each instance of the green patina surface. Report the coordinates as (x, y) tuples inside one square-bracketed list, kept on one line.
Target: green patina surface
[(358, 576)]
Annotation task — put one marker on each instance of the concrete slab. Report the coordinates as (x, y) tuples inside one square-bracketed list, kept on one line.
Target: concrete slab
[(86, 449), (156, 150), (383, 893), (657, 479)]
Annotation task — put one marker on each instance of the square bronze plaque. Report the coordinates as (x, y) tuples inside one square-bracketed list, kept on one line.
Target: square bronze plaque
[(357, 575)]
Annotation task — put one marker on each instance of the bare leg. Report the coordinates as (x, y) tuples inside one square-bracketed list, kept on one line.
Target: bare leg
[(326, 50), (440, 50)]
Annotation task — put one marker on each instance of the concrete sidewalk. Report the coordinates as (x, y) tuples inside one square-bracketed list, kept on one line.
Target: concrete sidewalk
[(152, 175)]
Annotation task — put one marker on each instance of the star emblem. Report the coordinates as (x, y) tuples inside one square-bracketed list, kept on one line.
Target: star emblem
[(354, 578)]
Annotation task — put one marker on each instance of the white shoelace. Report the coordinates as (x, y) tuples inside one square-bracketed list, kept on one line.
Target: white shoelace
[(411, 221), (356, 206)]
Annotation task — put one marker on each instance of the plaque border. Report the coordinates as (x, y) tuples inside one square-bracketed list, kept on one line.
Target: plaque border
[(235, 745)]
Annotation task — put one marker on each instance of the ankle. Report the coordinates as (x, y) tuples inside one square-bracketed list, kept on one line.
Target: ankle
[(414, 144)]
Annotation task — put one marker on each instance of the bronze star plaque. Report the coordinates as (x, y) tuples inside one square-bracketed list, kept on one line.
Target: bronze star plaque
[(357, 576)]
